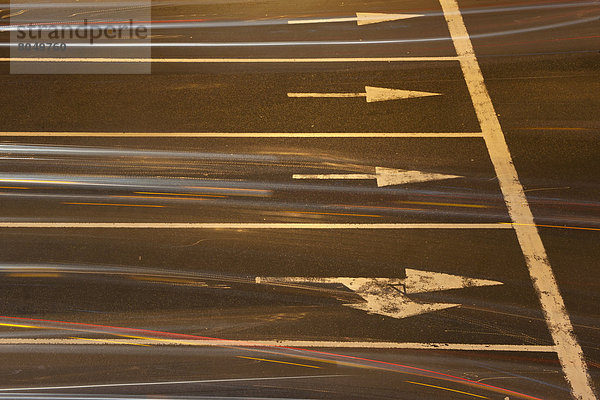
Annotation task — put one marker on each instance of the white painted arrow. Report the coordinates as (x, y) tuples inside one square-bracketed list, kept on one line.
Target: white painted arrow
[(362, 18), (372, 94), (384, 176), (390, 296)]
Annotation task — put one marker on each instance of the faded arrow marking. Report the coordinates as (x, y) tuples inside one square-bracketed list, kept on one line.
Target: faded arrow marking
[(389, 296)]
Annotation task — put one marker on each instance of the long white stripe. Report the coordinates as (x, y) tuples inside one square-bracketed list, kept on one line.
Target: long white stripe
[(321, 21), (251, 225), (568, 349), (327, 95), (272, 378), (222, 60), (334, 176), (250, 134), (289, 343)]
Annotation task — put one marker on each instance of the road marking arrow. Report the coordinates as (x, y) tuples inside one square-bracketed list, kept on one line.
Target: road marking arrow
[(372, 94), (362, 18), (384, 176), (391, 296)]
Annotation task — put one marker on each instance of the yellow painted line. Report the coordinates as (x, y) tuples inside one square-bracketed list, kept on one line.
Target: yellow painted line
[(112, 341), (33, 275), (182, 194), (555, 226), (448, 389), (279, 362), (444, 204), (324, 213), (20, 326), (111, 204)]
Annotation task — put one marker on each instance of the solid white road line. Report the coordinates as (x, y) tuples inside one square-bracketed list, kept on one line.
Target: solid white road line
[(288, 343), (250, 225), (272, 378), (252, 134), (223, 60), (568, 350)]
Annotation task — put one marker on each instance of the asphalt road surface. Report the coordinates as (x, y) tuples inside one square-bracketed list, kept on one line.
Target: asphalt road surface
[(302, 200)]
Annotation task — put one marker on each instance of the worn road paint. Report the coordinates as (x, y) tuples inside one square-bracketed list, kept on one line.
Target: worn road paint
[(391, 296), (568, 349)]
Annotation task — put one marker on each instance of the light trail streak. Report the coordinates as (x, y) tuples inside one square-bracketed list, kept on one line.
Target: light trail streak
[(279, 44), (426, 203), (113, 204), (328, 213), (448, 389), (359, 362), (279, 362), (556, 226), (33, 275), (180, 194)]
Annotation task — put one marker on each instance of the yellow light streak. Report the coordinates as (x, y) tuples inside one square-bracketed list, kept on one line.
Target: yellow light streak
[(20, 326), (448, 389), (168, 280), (427, 203), (182, 194), (324, 213), (555, 226), (279, 362), (33, 275), (39, 181), (112, 204)]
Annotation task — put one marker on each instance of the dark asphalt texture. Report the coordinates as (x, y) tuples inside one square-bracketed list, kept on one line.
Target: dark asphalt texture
[(543, 83)]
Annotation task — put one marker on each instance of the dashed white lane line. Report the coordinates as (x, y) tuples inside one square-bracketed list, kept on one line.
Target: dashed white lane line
[(289, 343), (252, 134), (568, 349), (250, 225), (222, 60)]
